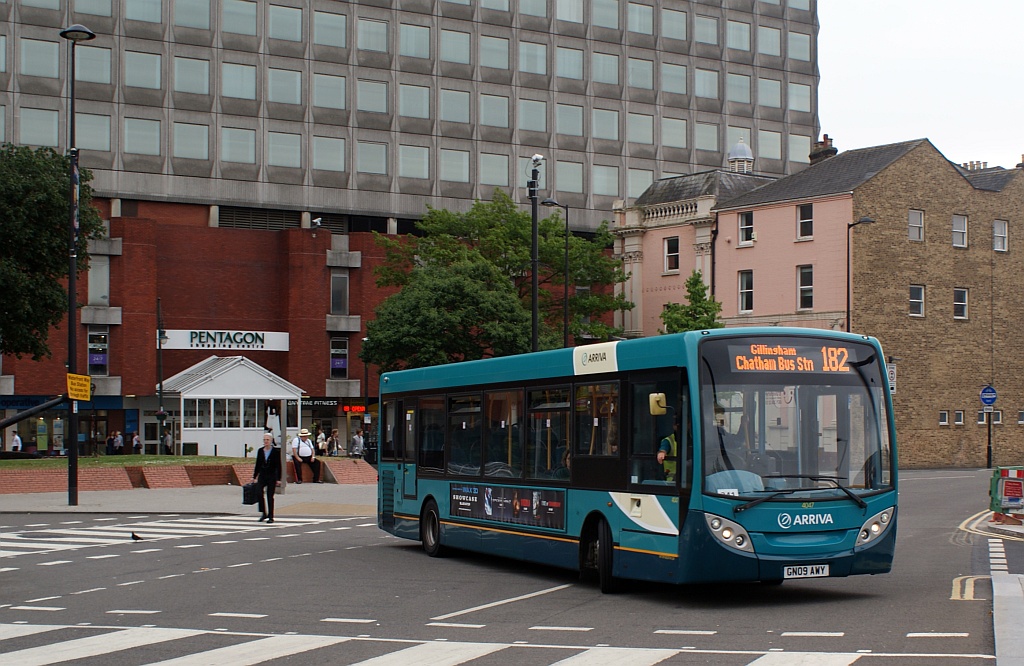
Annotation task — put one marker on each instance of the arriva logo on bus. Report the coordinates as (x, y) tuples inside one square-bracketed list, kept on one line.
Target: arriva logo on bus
[(593, 359), (788, 520)]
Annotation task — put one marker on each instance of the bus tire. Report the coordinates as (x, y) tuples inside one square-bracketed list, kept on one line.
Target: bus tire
[(430, 530), (605, 555)]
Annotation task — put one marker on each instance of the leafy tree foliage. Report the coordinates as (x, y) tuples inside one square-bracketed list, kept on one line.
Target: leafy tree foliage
[(34, 234), (481, 259), (699, 313)]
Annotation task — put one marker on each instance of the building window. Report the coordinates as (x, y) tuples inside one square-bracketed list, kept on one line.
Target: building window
[(799, 97), (769, 144), (533, 7), (284, 86), (191, 76), (285, 23), (569, 176), (737, 35), (328, 91), (997, 417), (640, 18), (493, 169), (959, 231), (805, 221), (141, 137), (640, 128), (284, 150), (568, 63), (413, 101), (706, 83), (746, 229), (805, 285), (93, 134), (237, 145), (673, 78), (637, 181), (330, 29), (39, 58), (569, 120), (799, 148), (672, 254), (493, 52), (191, 141), (455, 166), (454, 106), (1020, 418), (705, 136), (494, 110), (673, 24), (372, 96), (92, 64), (38, 127), (604, 68), (238, 17), (143, 10), (339, 358), (944, 417), (99, 351), (569, 10), (799, 46), (769, 41), (328, 153), (414, 41), (192, 14), (737, 88), (238, 80), (605, 180), (705, 30), (604, 13), (958, 417), (999, 236), (769, 93), (640, 73), (673, 132), (917, 300), (746, 285), (339, 294), (371, 157), (959, 303), (455, 47), (372, 35), (533, 115), (533, 58), (605, 124), (142, 70), (500, 5), (915, 225), (413, 162)]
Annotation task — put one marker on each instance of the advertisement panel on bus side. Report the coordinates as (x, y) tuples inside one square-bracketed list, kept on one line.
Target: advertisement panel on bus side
[(509, 504)]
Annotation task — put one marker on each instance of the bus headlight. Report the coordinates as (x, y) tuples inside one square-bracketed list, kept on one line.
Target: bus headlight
[(875, 526), (729, 533)]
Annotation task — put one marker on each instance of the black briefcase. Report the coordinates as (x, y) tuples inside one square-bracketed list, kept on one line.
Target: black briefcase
[(250, 493)]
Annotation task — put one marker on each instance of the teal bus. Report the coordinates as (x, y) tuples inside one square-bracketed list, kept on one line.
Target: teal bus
[(734, 454)]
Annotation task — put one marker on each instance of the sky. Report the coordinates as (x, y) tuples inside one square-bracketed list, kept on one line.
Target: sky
[(951, 71)]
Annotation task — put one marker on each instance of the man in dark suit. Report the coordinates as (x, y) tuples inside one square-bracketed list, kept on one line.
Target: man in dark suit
[(267, 475)]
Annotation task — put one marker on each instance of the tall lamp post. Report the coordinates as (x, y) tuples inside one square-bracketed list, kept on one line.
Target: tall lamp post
[(74, 34), (864, 220), (532, 186), (161, 338), (552, 203)]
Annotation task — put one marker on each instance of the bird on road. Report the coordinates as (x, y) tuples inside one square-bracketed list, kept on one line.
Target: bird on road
[(136, 537)]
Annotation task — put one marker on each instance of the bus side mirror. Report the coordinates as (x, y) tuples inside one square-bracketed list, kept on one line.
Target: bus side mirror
[(659, 406)]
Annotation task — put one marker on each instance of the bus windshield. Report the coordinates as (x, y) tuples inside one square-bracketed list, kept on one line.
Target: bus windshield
[(794, 418)]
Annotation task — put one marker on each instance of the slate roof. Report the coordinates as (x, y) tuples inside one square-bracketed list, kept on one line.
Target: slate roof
[(842, 173), (719, 183), (994, 179)]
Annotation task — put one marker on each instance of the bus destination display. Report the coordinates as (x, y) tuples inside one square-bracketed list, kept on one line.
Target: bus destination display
[(759, 357)]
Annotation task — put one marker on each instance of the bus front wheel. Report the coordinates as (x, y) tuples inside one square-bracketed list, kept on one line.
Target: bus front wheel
[(430, 530), (597, 556)]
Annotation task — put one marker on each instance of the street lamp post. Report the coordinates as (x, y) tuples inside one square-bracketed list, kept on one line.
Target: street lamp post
[(552, 203), (161, 338), (863, 220), (74, 34), (532, 186)]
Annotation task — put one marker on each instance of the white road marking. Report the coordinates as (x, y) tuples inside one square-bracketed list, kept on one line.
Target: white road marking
[(35, 601), (456, 625), (50, 609), (611, 656), (147, 550), (805, 659), (92, 646), (94, 589), (170, 576), (19, 630), (256, 652), (541, 627), (6, 569), (435, 654), (243, 564), (686, 632), (814, 634), (938, 634), (190, 545), (100, 557), (254, 616), (53, 562), (502, 602), (124, 611), (348, 620), (131, 582)]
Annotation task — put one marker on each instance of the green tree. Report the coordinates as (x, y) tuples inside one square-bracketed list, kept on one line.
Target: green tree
[(34, 235), (498, 235), (699, 313)]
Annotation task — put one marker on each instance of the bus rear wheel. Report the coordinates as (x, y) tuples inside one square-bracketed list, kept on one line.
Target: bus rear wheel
[(430, 530)]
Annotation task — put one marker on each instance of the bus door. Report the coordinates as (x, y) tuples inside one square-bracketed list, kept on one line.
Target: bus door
[(661, 436), (408, 467), (424, 444)]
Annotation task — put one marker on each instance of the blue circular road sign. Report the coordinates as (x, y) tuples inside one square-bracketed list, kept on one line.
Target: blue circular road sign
[(988, 396)]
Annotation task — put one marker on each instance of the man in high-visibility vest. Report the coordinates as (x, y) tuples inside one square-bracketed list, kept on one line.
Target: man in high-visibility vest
[(667, 451)]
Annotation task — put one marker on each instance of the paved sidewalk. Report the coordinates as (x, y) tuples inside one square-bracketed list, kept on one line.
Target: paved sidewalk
[(307, 499)]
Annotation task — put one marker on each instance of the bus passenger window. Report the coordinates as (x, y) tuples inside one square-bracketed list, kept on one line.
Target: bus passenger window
[(547, 440), (596, 409), (503, 453), (431, 434), (464, 435)]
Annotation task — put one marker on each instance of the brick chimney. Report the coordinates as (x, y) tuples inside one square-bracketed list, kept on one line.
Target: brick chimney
[(822, 150)]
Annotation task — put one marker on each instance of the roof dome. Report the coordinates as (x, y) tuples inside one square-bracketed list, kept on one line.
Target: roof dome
[(741, 151)]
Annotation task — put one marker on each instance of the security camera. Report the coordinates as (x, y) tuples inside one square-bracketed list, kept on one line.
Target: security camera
[(317, 221), (537, 159)]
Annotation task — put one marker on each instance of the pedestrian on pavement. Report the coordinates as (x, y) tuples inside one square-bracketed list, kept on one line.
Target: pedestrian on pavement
[(304, 451), (321, 442), (168, 442), (16, 442), (110, 443), (332, 443), (136, 443), (267, 475), (355, 448), (118, 443)]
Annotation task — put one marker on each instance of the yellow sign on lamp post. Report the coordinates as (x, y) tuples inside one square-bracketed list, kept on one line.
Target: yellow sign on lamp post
[(80, 387)]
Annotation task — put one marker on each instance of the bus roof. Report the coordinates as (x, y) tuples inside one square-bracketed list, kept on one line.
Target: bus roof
[(617, 356)]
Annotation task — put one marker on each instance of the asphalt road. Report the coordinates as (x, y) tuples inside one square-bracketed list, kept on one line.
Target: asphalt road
[(339, 591)]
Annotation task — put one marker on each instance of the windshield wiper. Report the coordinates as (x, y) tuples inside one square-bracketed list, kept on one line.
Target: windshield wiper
[(832, 479), (778, 493)]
